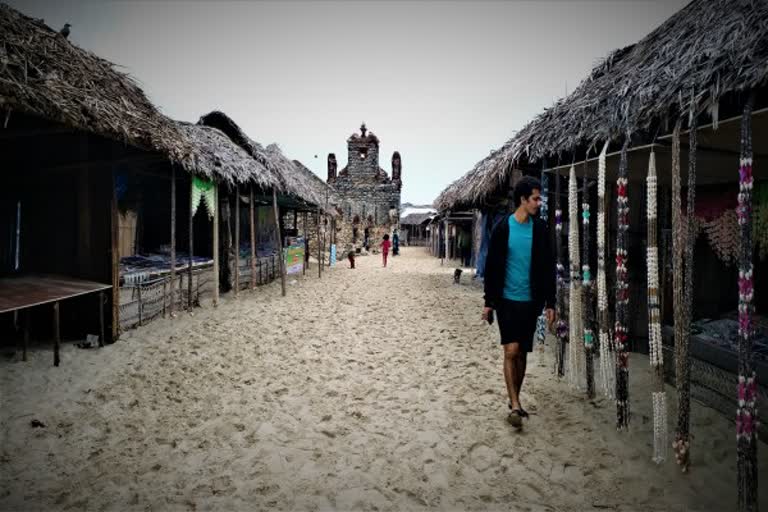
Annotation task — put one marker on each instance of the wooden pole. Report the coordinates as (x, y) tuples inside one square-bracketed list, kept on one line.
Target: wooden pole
[(27, 314), (115, 265), (56, 334), (173, 236), (141, 305), (306, 243), (191, 245), (319, 246), (237, 240), (253, 243), (215, 244), (278, 239), (328, 238), (101, 318)]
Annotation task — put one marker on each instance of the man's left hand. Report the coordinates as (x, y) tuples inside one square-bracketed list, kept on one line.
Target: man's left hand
[(551, 316)]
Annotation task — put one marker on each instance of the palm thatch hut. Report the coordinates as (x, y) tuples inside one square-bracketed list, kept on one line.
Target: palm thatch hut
[(414, 226), (298, 190), (699, 70), (107, 148), (93, 122), (706, 58)]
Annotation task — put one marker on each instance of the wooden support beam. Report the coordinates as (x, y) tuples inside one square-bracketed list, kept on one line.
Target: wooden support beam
[(115, 263), (306, 244), (173, 238), (319, 246), (216, 216), (37, 132), (279, 241), (191, 246), (133, 161), (56, 334), (237, 240), (253, 241), (102, 299), (27, 315)]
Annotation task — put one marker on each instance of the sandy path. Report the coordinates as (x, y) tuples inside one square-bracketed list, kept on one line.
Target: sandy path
[(374, 389)]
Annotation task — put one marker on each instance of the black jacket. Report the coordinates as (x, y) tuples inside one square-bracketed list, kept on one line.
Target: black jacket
[(542, 265)]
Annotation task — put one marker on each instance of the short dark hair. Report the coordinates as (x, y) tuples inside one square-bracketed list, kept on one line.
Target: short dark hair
[(524, 188), (386, 237)]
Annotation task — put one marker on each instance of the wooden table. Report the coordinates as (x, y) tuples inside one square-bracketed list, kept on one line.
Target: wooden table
[(31, 290)]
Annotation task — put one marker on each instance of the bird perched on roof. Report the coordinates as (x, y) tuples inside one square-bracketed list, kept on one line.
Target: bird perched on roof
[(65, 31)]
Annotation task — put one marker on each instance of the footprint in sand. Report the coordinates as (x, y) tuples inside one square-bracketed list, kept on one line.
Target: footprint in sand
[(482, 457)]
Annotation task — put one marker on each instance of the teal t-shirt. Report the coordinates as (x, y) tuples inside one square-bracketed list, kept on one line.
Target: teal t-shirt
[(517, 283)]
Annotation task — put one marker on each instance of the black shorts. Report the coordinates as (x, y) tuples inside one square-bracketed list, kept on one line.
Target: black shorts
[(517, 323)]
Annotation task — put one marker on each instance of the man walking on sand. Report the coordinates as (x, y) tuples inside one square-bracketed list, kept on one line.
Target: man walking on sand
[(519, 282)]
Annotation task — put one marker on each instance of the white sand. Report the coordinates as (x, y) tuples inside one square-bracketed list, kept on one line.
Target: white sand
[(375, 389)]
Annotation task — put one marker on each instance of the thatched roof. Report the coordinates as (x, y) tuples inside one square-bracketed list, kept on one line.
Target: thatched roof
[(474, 185), (292, 178), (224, 123), (44, 74), (320, 189), (215, 156), (415, 219), (281, 170), (708, 49)]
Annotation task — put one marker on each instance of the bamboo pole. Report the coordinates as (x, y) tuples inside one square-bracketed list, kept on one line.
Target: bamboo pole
[(278, 238), (27, 314), (101, 318), (319, 247), (253, 243), (173, 237), (215, 244), (331, 231), (306, 244), (191, 246), (115, 265), (237, 240), (56, 334)]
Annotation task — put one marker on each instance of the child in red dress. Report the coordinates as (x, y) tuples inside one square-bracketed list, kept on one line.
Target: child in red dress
[(385, 245)]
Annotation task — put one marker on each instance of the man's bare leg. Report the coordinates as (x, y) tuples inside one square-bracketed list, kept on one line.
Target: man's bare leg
[(511, 355), (511, 377), (522, 362)]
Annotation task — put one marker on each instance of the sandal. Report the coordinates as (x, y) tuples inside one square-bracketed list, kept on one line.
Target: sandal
[(515, 418), (522, 412)]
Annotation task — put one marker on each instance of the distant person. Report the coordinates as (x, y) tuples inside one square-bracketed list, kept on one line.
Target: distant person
[(519, 282), (385, 245), (350, 249), (465, 251), (395, 243)]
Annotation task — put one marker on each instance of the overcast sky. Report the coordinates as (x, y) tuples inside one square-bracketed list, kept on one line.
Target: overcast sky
[(444, 83)]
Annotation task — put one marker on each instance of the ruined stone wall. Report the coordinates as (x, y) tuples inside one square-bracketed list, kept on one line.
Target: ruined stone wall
[(370, 200)]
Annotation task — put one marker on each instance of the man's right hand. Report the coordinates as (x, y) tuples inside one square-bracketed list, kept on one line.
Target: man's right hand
[(486, 312)]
